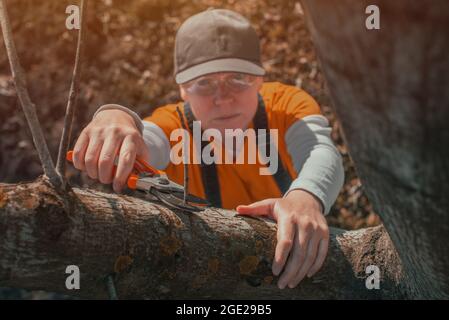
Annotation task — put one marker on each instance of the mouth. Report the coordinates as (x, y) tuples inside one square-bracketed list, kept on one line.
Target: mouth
[(230, 117)]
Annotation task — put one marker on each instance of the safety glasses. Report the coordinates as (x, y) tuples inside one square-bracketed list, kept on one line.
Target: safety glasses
[(208, 85)]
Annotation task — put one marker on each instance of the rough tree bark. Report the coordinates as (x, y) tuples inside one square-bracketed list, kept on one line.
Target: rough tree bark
[(155, 253), (390, 91)]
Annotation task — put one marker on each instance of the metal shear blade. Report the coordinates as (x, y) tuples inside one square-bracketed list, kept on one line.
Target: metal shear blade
[(169, 193), (176, 200)]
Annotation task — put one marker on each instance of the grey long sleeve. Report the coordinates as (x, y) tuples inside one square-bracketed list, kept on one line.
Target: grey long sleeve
[(316, 159)]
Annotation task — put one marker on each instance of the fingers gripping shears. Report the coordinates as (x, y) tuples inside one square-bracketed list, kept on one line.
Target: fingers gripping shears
[(154, 183)]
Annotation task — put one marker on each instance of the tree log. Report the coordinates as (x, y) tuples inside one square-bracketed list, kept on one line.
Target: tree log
[(390, 91), (156, 253)]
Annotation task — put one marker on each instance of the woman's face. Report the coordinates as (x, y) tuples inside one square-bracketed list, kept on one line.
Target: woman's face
[(223, 100)]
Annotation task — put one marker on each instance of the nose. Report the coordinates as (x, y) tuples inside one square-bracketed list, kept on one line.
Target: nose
[(223, 94)]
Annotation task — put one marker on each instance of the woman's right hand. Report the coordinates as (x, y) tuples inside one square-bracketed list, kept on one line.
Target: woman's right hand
[(110, 134)]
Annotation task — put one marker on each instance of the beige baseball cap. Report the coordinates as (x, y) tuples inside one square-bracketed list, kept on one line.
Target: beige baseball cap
[(216, 40)]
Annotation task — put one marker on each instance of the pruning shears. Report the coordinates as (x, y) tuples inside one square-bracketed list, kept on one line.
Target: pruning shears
[(155, 183)]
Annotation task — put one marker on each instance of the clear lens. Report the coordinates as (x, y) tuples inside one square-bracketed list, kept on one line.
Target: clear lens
[(208, 85), (239, 81)]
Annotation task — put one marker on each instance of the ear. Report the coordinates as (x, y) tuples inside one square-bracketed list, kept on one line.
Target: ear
[(183, 93)]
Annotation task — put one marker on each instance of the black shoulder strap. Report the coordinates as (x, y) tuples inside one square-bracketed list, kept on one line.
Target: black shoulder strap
[(282, 177), (209, 172)]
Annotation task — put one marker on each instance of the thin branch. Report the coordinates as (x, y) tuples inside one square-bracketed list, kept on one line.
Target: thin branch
[(27, 105), (73, 95)]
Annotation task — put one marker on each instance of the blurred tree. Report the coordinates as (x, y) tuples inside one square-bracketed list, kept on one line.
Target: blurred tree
[(390, 91)]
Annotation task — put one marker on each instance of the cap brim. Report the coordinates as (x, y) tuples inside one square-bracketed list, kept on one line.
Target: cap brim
[(219, 65)]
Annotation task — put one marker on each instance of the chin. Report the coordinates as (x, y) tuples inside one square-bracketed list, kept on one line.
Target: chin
[(231, 124)]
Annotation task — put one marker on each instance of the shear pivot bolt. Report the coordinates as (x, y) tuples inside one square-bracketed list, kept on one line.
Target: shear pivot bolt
[(163, 181)]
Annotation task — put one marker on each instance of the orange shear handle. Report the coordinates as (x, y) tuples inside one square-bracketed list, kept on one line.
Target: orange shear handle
[(140, 166)]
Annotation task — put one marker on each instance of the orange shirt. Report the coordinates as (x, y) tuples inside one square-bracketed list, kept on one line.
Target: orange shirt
[(242, 183)]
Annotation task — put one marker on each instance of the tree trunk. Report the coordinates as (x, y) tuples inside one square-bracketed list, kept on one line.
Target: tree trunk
[(390, 91), (154, 252)]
